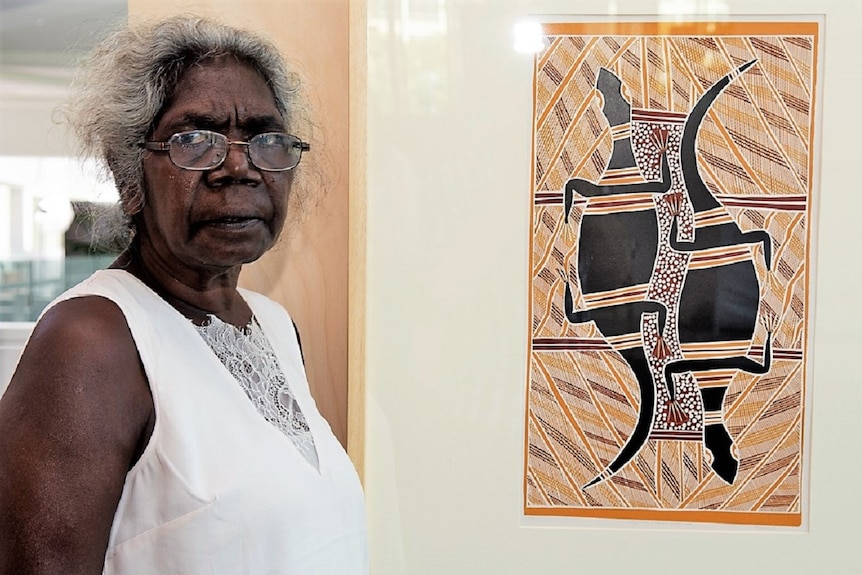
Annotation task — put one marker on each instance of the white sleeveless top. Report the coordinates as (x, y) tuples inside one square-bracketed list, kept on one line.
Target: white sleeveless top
[(219, 489)]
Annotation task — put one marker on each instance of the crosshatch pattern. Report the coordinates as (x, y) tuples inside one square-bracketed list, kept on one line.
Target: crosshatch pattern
[(613, 109)]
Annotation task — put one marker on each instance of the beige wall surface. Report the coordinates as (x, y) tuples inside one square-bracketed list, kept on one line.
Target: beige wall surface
[(307, 273)]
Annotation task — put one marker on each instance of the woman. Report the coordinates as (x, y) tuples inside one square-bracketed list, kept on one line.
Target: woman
[(159, 420)]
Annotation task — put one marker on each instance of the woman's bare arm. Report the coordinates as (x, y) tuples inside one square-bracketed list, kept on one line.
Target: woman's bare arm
[(73, 420)]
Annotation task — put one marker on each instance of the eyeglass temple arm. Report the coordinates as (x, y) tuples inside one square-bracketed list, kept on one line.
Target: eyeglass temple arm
[(160, 146)]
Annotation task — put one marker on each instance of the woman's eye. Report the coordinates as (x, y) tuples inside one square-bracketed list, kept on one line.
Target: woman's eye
[(195, 138), (269, 140)]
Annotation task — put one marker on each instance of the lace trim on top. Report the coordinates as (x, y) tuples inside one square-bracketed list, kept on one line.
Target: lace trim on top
[(249, 357)]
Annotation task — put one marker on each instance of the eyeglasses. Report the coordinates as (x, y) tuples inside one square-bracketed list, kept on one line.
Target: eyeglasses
[(206, 150)]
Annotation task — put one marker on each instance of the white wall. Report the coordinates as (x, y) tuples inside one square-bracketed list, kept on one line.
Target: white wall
[(13, 336), (448, 205)]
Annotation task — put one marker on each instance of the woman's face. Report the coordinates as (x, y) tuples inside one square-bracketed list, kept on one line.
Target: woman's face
[(211, 221)]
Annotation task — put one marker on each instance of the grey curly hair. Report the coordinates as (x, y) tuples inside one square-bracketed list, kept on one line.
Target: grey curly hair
[(120, 88)]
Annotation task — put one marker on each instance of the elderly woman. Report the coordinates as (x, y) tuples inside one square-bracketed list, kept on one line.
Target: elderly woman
[(159, 420)]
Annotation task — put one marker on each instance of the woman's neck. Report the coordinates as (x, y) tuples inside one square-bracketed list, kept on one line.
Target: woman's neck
[(194, 295)]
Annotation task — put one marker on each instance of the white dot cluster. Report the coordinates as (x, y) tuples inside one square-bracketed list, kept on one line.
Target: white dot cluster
[(648, 146)]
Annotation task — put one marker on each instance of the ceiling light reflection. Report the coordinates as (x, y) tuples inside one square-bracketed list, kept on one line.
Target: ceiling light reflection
[(529, 38)]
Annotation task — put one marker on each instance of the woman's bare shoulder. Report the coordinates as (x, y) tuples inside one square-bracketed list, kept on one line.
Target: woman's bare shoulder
[(82, 321), (81, 359), (72, 422)]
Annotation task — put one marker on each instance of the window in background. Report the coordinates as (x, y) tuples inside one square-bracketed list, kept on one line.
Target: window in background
[(50, 202), (50, 208)]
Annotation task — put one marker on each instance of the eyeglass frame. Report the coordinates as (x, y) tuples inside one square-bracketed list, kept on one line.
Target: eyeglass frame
[(165, 146)]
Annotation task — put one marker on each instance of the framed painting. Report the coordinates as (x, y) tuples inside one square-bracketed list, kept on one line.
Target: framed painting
[(674, 192)]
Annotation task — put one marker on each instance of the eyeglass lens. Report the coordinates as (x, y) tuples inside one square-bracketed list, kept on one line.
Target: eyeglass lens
[(203, 150)]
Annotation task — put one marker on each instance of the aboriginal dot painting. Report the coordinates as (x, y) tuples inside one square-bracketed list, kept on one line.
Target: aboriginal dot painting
[(672, 191)]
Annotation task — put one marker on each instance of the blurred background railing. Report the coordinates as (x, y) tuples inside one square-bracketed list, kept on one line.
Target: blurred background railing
[(27, 286)]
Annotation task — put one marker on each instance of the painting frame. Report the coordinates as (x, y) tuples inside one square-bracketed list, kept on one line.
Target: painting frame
[(563, 411)]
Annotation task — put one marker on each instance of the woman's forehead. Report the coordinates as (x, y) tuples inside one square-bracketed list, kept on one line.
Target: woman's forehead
[(220, 92)]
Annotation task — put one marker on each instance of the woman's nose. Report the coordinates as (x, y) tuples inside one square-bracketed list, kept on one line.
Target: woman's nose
[(237, 164), (237, 156)]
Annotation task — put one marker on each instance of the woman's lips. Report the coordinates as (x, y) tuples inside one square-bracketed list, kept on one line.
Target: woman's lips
[(233, 222)]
